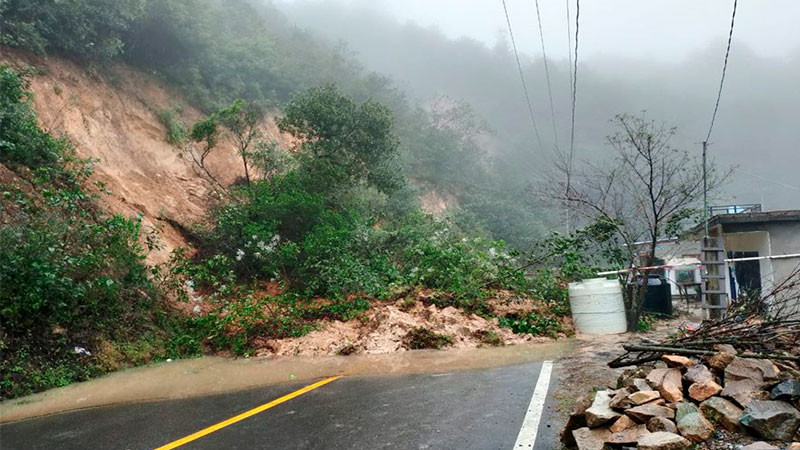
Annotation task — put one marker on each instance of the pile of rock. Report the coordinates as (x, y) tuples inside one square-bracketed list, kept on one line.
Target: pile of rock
[(678, 402)]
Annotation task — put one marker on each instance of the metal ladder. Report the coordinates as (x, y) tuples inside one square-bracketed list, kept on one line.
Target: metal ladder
[(713, 289)]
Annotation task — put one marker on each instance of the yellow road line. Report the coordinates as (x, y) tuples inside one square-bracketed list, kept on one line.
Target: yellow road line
[(245, 415)]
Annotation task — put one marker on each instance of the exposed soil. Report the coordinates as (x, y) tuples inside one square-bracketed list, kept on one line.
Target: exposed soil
[(383, 328), (111, 115)]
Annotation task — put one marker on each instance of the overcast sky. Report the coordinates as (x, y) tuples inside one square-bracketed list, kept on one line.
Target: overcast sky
[(664, 30)]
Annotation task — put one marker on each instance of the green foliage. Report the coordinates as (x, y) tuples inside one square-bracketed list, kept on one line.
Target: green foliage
[(343, 143), (22, 142), (93, 29), (490, 338), (177, 133), (422, 338), (70, 276), (533, 323)]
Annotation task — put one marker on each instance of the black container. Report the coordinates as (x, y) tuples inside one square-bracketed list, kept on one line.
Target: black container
[(659, 296)]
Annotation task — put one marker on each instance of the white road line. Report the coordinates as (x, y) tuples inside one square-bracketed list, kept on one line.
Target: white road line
[(530, 425)]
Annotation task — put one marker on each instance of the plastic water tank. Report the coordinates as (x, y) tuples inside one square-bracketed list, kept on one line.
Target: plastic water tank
[(597, 306)]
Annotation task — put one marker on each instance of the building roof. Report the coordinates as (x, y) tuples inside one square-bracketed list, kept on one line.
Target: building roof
[(789, 215)]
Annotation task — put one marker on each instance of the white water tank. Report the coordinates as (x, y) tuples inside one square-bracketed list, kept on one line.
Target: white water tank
[(597, 306)]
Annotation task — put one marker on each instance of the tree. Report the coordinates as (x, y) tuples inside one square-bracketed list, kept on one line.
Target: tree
[(242, 119), (341, 143), (646, 191)]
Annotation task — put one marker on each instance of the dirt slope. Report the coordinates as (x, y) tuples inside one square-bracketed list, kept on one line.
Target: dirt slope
[(110, 115)]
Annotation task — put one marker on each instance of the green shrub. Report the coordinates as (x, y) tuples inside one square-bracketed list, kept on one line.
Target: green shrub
[(70, 276), (533, 323), (22, 142), (177, 133), (422, 338)]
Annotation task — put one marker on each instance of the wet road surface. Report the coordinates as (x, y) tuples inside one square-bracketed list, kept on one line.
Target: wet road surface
[(476, 409)]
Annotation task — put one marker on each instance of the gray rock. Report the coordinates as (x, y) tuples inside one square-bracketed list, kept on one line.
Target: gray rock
[(760, 445), (620, 399), (761, 371), (771, 419), (643, 413), (600, 412), (661, 424), (663, 441), (723, 412), (692, 424), (698, 373), (786, 390), (588, 439), (744, 391), (628, 436)]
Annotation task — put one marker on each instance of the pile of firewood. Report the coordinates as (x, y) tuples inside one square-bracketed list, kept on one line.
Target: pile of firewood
[(740, 373)]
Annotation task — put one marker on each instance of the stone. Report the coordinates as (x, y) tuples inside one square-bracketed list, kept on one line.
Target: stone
[(620, 399), (698, 373), (744, 391), (638, 384), (723, 412), (692, 424), (727, 348), (771, 419), (671, 387), (760, 445), (643, 413), (576, 420), (759, 370), (794, 446), (704, 389), (642, 397), (663, 440), (661, 424), (600, 412), (720, 360), (628, 375), (656, 377), (623, 423), (588, 439), (677, 361), (786, 390), (629, 436)]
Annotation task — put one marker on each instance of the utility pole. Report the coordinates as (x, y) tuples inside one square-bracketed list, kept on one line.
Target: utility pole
[(705, 188), (713, 288)]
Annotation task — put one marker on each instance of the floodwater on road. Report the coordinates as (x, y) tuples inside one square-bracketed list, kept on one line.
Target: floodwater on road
[(213, 375)]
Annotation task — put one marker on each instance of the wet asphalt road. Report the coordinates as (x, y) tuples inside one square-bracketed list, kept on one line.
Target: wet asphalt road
[(480, 409)]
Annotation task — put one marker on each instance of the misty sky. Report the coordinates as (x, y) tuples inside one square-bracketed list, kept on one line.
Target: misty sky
[(664, 57), (663, 30)]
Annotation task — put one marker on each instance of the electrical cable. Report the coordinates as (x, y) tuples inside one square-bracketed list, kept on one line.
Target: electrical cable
[(522, 76), (724, 69), (547, 74)]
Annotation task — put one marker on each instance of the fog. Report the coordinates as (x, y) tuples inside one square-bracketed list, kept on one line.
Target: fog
[(664, 58)]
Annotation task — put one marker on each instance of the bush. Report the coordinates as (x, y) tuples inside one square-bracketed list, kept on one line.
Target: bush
[(70, 276), (422, 338), (22, 142), (532, 323), (177, 133)]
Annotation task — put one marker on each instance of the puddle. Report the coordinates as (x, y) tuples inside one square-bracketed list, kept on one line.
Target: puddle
[(214, 375)]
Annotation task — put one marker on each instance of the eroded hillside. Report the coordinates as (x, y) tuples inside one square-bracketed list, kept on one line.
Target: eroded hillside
[(112, 116)]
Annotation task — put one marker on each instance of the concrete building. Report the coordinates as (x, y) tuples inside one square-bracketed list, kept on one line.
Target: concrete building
[(762, 248)]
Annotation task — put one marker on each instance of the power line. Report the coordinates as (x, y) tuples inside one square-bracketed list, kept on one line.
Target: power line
[(522, 76), (547, 74), (569, 46), (574, 90), (724, 69)]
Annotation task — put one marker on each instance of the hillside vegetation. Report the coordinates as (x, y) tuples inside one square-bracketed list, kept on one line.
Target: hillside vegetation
[(321, 227)]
